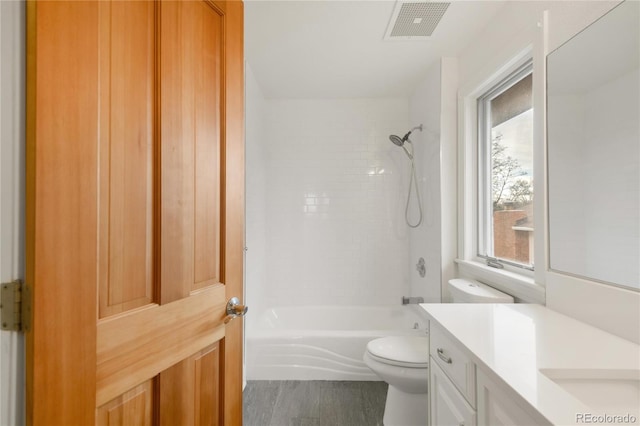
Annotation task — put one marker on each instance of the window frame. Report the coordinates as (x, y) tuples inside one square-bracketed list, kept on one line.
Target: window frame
[(484, 213), (525, 286)]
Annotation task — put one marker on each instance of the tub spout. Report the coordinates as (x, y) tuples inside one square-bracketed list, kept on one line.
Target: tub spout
[(412, 300)]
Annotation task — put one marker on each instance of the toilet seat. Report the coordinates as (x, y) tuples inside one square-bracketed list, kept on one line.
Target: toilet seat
[(401, 351)]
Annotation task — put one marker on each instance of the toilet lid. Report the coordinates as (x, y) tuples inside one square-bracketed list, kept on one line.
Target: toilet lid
[(405, 350)]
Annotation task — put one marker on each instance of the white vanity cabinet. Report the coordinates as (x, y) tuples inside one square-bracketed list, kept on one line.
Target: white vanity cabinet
[(454, 361), (457, 384), (495, 364), (497, 408), (453, 386), (448, 406)]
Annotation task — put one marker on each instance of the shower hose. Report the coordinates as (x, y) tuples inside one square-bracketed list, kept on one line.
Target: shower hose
[(413, 180)]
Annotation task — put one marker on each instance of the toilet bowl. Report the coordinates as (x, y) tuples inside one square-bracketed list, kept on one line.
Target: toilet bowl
[(402, 362)]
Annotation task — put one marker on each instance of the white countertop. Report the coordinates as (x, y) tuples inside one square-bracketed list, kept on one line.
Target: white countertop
[(514, 342)]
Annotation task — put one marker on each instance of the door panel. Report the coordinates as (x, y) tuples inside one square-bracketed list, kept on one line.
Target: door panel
[(191, 147), (207, 74), (177, 152), (126, 151), (135, 212), (131, 408), (189, 392), (207, 392)]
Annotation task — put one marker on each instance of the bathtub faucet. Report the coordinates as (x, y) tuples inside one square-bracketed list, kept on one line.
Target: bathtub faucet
[(412, 300)]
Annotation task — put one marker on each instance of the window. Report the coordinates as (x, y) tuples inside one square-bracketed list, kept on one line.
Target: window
[(505, 172)]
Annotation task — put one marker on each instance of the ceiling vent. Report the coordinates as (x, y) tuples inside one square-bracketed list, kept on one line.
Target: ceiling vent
[(415, 20)]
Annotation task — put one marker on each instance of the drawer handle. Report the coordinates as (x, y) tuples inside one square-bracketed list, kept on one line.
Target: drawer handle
[(446, 359)]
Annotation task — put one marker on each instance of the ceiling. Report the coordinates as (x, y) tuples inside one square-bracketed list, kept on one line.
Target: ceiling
[(335, 49)]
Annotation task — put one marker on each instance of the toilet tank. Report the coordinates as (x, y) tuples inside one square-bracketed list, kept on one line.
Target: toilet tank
[(464, 290)]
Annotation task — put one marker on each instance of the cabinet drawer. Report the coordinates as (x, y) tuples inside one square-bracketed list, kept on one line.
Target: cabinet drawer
[(448, 406), (454, 361)]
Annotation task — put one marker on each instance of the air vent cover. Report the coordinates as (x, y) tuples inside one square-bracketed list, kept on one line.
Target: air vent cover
[(415, 20)]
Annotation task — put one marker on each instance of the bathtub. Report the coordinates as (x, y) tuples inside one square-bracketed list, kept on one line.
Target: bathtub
[(322, 342)]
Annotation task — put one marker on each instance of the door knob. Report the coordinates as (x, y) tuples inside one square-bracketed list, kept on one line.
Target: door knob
[(235, 309)]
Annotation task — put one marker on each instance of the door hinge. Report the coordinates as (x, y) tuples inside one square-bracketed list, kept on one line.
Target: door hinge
[(15, 306)]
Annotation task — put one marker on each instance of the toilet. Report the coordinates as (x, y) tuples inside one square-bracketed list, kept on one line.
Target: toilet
[(402, 362), (464, 290)]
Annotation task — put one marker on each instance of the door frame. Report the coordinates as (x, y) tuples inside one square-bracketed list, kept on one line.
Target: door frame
[(12, 188)]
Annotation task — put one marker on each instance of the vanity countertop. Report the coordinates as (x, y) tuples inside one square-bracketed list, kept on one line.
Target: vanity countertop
[(523, 345)]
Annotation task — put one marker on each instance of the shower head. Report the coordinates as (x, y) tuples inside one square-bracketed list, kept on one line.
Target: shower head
[(401, 140), (397, 140)]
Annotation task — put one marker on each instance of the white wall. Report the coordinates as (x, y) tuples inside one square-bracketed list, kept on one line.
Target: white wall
[(256, 196), (603, 123), (448, 171), (336, 195), (611, 118), (515, 29), (425, 241), (434, 104), (569, 245), (12, 66)]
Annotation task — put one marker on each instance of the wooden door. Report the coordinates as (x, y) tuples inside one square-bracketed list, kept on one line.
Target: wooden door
[(135, 191)]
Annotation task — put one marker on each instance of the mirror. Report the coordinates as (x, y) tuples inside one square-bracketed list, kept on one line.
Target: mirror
[(593, 148)]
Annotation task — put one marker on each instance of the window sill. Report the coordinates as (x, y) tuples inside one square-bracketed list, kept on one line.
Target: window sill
[(519, 286)]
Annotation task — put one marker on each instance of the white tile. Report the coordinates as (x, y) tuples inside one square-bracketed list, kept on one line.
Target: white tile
[(323, 206)]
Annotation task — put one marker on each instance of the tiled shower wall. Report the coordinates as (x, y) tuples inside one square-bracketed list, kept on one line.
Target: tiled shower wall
[(335, 231)]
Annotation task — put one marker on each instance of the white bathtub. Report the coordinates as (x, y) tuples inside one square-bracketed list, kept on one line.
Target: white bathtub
[(322, 342)]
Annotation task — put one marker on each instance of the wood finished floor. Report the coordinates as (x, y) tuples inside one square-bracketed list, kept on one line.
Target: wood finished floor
[(313, 403)]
